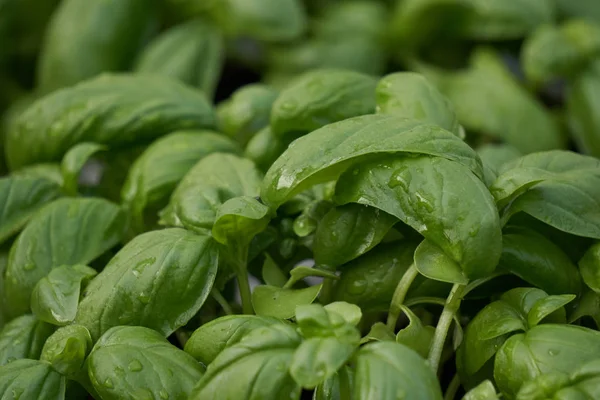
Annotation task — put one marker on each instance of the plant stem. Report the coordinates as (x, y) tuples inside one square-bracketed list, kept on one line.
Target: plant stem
[(344, 384), (441, 330), (400, 294), (222, 301), (452, 388), (328, 286), (241, 272)]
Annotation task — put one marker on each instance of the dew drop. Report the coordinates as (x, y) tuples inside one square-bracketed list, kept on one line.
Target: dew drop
[(108, 383), (358, 287), (402, 178), (135, 366), (17, 392), (144, 298), (29, 266), (163, 394)]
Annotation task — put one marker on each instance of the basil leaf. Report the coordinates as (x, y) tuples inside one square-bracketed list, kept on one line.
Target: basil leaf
[(124, 23), (74, 161), (191, 52), (337, 387), (484, 391), (542, 350), (56, 296), (539, 261), (586, 9), (416, 335), (67, 349), (379, 332), (23, 337), (156, 173), (246, 112), (158, 280), (349, 231), (350, 312), (208, 341), (324, 154), (271, 273), (21, 198), (238, 220), (589, 266), (52, 125), (320, 97), (582, 100), (31, 379), (208, 184), (272, 301), (387, 370), (496, 155), (588, 306), (410, 95), (132, 361), (463, 224), (66, 232), (255, 368), (264, 148)]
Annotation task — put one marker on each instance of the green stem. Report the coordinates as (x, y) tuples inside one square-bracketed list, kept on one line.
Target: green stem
[(222, 301), (452, 388), (328, 286), (443, 326), (345, 390), (400, 294), (241, 272)]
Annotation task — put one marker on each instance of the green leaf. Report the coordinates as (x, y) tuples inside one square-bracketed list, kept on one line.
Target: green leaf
[(509, 112), (586, 9), (537, 260), (74, 161), (255, 368), (350, 312), (66, 232), (272, 301), (31, 379), (349, 231), (125, 24), (587, 306), (132, 362), (56, 296), (484, 391), (496, 155), (238, 220), (324, 154), (158, 280), (559, 188), (307, 222), (542, 350), (21, 198), (113, 109), (416, 335), (246, 112), (410, 95), (155, 174), (337, 387), (560, 51), (314, 320), (320, 97), (208, 341), (464, 224), (589, 266), (271, 273), (264, 148), (302, 271), (386, 370), (582, 101), (507, 19), (23, 337), (370, 280), (379, 332), (545, 307), (67, 349), (211, 182), (432, 262), (192, 52)]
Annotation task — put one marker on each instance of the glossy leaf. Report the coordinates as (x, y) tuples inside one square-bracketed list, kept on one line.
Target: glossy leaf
[(103, 110), (324, 154), (589, 266), (349, 231), (56, 296), (23, 337), (21, 198), (208, 341), (350, 312), (31, 379), (132, 361), (539, 261), (264, 148), (321, 97), (484, 391), (238, 220), (542, 350), (300, 272), (416, 335), (386, 370), (255, 368), (158, 280), (73, 32), (410, 95), (191, 52), (67, 349), (208, 184), (338, 387), (66, 232), (496, 155), (272, 301), (246, 112), (74, 161), (463, 222), (379, 332), (582, 100), (431, 262), (155, 174), (587, 306)]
